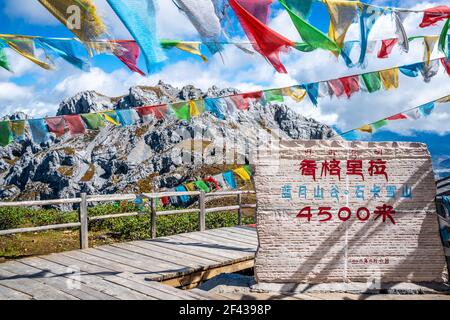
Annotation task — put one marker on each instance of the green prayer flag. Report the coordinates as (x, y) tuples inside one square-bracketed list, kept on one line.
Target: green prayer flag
[(169, 44), (443, 38), (3, 58), (248, 169), (93, 121), (372, 81), (310, 34), (182, 111), (380, 124), (274, 95), (303, 47), (6, 136), (202, 186)]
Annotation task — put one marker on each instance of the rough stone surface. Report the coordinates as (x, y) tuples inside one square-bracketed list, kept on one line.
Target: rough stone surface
[(139, 158), (363, 248)]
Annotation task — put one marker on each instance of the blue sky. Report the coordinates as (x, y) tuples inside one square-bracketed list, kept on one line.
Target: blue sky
[(38, 92)]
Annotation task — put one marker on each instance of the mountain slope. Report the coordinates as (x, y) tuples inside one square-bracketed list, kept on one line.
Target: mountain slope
[(151, 155)]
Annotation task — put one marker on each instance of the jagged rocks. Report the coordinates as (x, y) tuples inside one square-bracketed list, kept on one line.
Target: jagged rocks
[(144, 157)]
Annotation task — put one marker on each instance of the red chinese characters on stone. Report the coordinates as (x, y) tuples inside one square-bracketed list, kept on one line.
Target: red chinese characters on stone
[(332, 168), (309, 168), (385, 212), (355, 168), (363, 214), (378, 167)]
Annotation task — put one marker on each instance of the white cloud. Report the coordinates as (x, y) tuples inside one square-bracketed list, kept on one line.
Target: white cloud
[(30, 11), (11, 92), (246, 72)]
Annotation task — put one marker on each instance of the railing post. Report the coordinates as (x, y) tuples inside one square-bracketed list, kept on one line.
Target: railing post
[(84, 228), (153, 219), (239, 199), (202, 215)]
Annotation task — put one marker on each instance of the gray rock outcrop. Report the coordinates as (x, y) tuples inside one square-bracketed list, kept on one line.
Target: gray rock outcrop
[(151, 155)]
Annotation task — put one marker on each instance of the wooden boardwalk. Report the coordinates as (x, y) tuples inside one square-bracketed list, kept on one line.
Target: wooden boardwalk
[(135, 270)]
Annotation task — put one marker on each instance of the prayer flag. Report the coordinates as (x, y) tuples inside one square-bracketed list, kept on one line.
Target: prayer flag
[(39, 130), (386, 48), (202, 15), (80, 17), (56, 125), (128, 52), (74, 124), (433, 15), (264, 40), (6, 136), (389, 78), (139, 17)]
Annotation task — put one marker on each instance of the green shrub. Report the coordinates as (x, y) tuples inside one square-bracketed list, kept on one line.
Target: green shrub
[(12, 218)]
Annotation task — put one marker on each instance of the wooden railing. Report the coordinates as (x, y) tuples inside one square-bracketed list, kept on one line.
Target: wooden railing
[(84, 219)]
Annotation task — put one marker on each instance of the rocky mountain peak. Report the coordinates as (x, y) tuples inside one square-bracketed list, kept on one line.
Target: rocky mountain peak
[(148, 156)]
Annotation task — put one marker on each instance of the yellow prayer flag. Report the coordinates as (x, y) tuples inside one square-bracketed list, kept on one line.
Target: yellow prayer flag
[(80, 17), (25, 47), (298, 94), (191, 47), (190, 187), (444, 100), (243, 174), (390, 78), (429, 45), (110, 119), (342, 14), (366, 128)]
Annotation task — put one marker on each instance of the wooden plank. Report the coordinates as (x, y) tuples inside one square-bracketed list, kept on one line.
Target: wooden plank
[(195, 247), (37, 290), (101, 278), (103, 259), (224, 247), (183, 294), (168, 255), (132, 282), (46, 277), (209, 274), (214, 236), (11, 294), (234, 236), (166, 244), (197, 243), (84, 279), (152, 264), (252, 238), (242, 229)]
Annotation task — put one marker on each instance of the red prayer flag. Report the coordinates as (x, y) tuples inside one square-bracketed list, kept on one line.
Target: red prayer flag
[(446, 64), (56, 125), (337, 87), (386, 48), (165, 201), (264, 40), (240, 102), (128, 52), (213, 181), (157, 111), (75, 124), (350, 85), (433, 15), (399, 116), (253, 95)]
